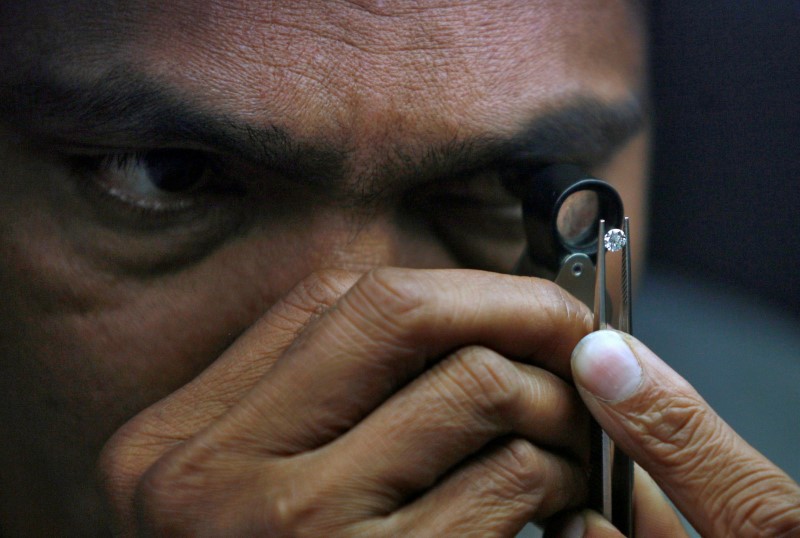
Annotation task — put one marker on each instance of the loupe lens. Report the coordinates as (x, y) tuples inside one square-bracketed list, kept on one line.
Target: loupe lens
[(577, 219), (562, 207)]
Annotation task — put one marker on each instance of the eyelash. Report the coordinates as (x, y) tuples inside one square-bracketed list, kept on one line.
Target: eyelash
[(131, 179)]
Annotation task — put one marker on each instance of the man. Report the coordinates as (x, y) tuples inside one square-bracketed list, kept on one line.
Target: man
[(195, 198)]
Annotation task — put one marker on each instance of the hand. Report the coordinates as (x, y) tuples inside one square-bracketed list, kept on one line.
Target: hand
[(400, 403), (721, 484)]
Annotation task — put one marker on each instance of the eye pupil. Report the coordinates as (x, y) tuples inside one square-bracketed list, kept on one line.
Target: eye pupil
[(173, 170)]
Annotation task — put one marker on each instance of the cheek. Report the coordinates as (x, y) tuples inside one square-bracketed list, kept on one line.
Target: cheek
[(103, 345), (85, 346)]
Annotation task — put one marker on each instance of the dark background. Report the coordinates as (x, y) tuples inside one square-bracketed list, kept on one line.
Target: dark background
[(725, 194)]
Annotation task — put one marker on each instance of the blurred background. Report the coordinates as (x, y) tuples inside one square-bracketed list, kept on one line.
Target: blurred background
[(721, 299), (725, 198)]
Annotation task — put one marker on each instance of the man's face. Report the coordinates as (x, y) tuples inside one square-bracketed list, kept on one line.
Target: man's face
[(169, 169)]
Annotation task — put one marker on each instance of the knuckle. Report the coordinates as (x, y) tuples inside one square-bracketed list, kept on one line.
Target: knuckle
[(310, 298), (564, 305), (387, 300), (298, 509), (164, 496), (322, 288), (126, 456), (541, 484), (485, 378), (510, 469), (197, 492), (556, 301), (154, 495), (287, 511), (118, 466), (520, 466), (391, 290), (189, 491)]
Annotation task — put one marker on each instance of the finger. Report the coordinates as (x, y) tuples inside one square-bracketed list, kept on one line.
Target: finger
[(720, 483), (246, 361), (178, 417), (654, 516), (235, 372), (386, 330), (494, 494), (449, 413), (583, 524)]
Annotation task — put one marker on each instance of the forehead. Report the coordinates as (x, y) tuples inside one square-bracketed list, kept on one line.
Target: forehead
[(359, 73)]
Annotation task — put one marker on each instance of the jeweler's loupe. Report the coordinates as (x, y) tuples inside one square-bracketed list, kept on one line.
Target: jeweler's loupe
[(562, 207)]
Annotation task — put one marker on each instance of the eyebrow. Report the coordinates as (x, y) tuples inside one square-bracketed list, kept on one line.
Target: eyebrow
[(125, 111), (583, 131)]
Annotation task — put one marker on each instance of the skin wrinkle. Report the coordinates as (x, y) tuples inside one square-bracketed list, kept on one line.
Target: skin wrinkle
[(529, 479), (748, 494), (487, 384), (387, 304), (360, 63), (522, 456), (713, 494), (759, 489), (724, 445), (582, 132), (447, 394), (670, 425), (783, 522), (532, 480)]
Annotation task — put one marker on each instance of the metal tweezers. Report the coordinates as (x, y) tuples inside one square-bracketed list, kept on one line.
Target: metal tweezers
[(576, 261), (611, 478)]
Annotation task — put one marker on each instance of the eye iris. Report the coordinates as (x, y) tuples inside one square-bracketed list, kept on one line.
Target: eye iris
[(175, 170)]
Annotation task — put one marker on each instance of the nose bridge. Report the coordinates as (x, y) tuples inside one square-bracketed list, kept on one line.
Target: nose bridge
[(379, 239), (357, 243)]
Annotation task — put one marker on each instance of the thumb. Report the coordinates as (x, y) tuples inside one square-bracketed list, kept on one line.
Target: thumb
[(722, 485)]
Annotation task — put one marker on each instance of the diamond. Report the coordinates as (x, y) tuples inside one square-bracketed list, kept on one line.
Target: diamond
[(614, 240)]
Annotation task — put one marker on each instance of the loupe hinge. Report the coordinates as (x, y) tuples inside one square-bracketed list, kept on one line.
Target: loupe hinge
[(577, 277)]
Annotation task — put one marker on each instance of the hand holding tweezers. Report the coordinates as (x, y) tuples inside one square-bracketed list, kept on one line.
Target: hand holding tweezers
[(566, 213)]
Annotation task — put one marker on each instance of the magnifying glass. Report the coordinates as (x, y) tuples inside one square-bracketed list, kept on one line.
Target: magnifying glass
[(562, 207)]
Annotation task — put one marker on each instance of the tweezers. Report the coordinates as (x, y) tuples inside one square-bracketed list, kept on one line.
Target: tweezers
[(576, 261), (611, 478)]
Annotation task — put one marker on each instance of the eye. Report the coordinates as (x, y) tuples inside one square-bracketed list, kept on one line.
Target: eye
[(149, 211), (163, 180), (479, 220)]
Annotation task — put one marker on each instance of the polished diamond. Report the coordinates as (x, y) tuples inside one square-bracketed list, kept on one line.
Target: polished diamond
[(614, 240)]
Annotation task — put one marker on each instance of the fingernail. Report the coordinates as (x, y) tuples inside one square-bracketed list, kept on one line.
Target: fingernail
[(575, 527), (603, 364)]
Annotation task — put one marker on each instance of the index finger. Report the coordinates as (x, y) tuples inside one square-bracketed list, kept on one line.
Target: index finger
[(386, 330)]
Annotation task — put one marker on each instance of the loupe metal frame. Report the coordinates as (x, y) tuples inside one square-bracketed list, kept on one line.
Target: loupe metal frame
[(550, 189)]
